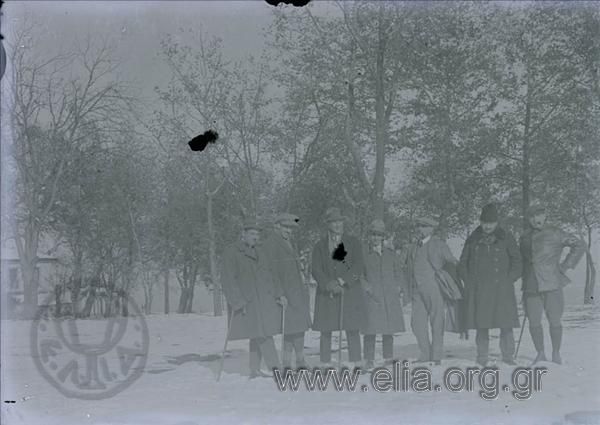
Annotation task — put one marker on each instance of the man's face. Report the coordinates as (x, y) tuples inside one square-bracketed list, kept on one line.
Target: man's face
[(488, 228), (538, 220), (251, 237), (336, 227), (284, 231), (425, 231), (376, 239)]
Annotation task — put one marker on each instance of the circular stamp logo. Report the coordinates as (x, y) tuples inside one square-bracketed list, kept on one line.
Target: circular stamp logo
[(90, 359)]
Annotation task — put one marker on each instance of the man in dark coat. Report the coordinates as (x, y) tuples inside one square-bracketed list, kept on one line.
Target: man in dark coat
[(544, 277), (490, 264), (385, 283), (337, 266), (428, 305), (287, 274), (252, 298)]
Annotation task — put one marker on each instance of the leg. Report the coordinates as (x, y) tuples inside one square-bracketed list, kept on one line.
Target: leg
[(255, 357), (369, 348), (437, 317), (353, 346), (288, 347), (388, 347), (269, 352), (325, 347), (298, 342), (482, 339), (533, 308), (507, 345), (418, 323), (554, 306)]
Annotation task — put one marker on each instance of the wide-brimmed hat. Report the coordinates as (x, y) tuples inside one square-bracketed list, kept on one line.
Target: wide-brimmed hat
[(377, 227), (333, 214), (489, 214), (250, 223), (287, 219), (426, 221), (535, 209)]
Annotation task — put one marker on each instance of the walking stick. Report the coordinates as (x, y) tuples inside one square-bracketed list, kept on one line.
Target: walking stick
[(522, 329), (282, 330), (341, 325), (221, 363)]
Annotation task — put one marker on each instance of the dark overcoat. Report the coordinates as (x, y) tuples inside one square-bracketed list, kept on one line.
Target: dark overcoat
[(287, 274), (489, 271), (385, 277), (247, 282), (324, 270)]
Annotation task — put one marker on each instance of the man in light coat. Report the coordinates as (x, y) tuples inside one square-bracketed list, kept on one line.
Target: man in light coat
[(428, 305), (287, 274), (253, 299), (385, 286), (544, 277)]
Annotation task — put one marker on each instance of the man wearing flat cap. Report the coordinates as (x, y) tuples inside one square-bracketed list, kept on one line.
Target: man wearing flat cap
[(385, 283), (428, 308), (252, 298), (287, 274), (490, 264), (544, 277), (337, 266)]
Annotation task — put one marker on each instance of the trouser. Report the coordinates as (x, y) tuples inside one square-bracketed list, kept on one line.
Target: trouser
[(293, 343), (507, 343), (552, 303), (428, 309), (353, 339), (369, 347), (263, 348)]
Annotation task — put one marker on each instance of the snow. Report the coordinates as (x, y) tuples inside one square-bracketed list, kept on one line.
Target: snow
[(178, 384)]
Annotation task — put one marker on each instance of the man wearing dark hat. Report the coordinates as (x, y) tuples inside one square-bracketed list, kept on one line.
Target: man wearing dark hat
[(490, 264), (544, 277), (287, 274), (252, 298), (428, 308), (337, 266), (385, 283)]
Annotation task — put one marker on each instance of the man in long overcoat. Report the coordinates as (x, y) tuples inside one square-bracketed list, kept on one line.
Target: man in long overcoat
[(337, 266), (544, 276), (386, 284), (253, 299), (287, 274), (490, 264), (428, 305)]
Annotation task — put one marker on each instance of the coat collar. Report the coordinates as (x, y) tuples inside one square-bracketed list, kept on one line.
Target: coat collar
[(247, 251), (478, 234)]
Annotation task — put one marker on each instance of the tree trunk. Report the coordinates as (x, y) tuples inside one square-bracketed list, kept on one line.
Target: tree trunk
[(526, 179), (380, 120), (27, 250), (212, 256), (166, 290), (590, 272)]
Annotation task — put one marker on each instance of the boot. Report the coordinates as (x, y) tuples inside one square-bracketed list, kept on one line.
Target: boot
[(556, 338)]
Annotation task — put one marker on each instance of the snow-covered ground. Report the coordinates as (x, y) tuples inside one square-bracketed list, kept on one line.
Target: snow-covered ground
[(178, 384)]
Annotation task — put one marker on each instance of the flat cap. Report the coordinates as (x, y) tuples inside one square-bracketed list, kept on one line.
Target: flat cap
[(377, 226), (535, 209), (426, 221), (287, 219), (251, 223), (333, 214)]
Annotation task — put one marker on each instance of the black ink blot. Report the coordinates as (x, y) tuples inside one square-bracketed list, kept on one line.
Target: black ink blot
[(339, 253), (200, 142), (296, 3)]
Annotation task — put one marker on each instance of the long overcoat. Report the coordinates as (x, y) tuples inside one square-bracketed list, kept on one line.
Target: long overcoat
[(287, 274), (247, 282), (489, 271), (386, 279), (324, 270)]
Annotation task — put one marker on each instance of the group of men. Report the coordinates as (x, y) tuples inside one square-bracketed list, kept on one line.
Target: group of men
[(362, 289)]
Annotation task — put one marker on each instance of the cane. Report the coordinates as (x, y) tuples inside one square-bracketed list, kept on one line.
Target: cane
[(282, 329), (221, 363), (341, 326), (522, 330)]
